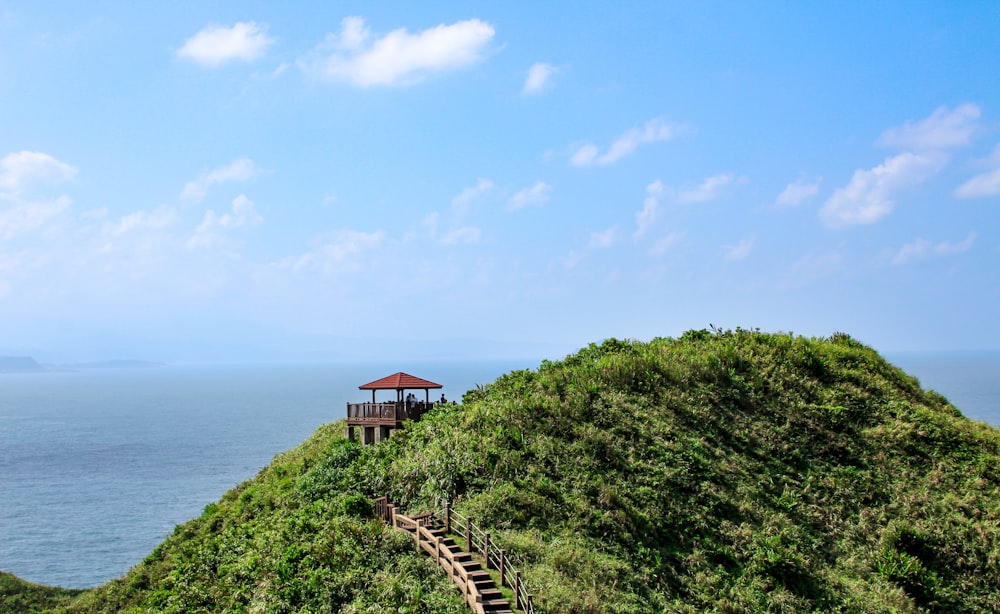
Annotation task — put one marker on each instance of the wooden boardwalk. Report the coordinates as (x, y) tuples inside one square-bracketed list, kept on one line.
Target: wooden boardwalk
[(477, 585)]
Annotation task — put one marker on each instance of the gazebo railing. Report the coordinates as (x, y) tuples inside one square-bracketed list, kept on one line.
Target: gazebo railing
[(392, 410)]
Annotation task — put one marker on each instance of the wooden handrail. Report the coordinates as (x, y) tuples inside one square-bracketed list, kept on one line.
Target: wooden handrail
[(418, 527)]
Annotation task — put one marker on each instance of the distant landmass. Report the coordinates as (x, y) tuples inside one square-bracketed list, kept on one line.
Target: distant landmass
[(27, 364), (19, 364)]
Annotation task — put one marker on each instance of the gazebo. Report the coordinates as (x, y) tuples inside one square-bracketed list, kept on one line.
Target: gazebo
[(379, 419)]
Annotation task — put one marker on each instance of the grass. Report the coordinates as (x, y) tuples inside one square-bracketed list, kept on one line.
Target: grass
[(17, 596)]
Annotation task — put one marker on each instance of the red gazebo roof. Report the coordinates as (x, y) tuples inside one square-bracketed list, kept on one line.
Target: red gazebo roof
[(399, 381)]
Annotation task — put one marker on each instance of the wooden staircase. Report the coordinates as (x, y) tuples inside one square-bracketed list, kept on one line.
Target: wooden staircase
[(476, 584)]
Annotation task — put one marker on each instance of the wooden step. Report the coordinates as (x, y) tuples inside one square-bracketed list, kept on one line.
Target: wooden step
[(490, 594), (495, 605)]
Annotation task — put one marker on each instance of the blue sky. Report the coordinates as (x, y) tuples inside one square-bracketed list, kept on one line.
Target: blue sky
[(241, 180)]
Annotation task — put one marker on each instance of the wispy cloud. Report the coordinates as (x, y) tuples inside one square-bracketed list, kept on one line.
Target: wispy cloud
[(797, 193), (464, 235), (20, 170), (944, 129), (537, 194), (983, 184), (645, 218), (471, 193), (159, 218), (340, 252), (654, 130), (213, 46), (663, 244), (871, 194), (740, 251), (604, 239), (22, 210), (19, 217), (242, 169), (398, 58), (709, 189), (211, 231), (539, 77), (921, 249)]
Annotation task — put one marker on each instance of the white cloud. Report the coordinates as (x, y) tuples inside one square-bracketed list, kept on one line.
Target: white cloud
[(398, 58), (156, 219), (216, 45), (983, 184), (663, 244), (572, 259), (464, 235), (655, 130), (739, 251), (585, 155), (23, 217), (710, 189), (645, 218), (353, 34), (944, 129), (922, 248), (604, 239), (210, 232), (471, 193), (22, 212), (538, 78), (537, 194), (870, 195), (242, 169), (20, 170), (797, 192), (343, 252)]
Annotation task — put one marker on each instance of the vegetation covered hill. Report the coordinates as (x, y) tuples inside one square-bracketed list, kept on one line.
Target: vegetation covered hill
[(725, 470)]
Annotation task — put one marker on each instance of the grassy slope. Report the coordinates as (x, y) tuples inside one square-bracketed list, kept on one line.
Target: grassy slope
[(16, 595), (735, 471)]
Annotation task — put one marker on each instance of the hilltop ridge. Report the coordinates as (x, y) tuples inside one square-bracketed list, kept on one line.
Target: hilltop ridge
[(723, 470)]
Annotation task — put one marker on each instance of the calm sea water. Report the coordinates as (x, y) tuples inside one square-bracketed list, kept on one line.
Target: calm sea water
[(98, 466), (970, 380)]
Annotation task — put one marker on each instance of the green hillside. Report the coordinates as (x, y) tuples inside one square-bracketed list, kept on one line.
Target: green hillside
[(727, 471)]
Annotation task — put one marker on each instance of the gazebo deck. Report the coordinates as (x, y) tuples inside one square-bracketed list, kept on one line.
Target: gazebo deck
[(391, 413)]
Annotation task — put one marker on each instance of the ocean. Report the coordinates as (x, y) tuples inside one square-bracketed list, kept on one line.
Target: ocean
[(98, 466)]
